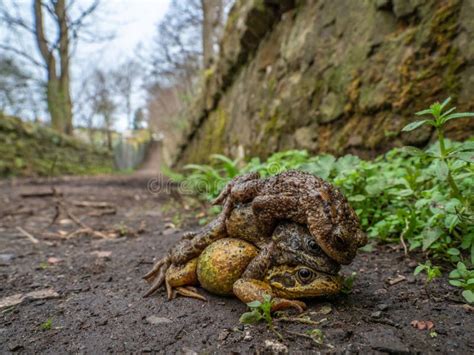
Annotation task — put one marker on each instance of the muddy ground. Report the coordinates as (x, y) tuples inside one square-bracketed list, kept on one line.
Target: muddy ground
[(98, 306)]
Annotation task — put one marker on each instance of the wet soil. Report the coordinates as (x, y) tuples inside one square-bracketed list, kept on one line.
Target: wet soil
[(99, 307)]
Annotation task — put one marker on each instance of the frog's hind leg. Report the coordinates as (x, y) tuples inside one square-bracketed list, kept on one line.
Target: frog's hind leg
[(163, 263), (191, 248), (228, 189), (157, 277), (248, 290), (181, 279), (191, 245), (269, 209)]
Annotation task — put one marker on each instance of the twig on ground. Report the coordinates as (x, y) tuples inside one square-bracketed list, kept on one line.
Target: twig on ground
[(84, 226), (381, 321), (28, 235), (102, 212), (57, 212), (304, 336), (17, 211), (40, 194), (95, 204), (402, 236), (302, 320)]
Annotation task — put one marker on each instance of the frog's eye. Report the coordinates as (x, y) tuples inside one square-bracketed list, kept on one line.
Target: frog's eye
[(305, 275), (312, 245)]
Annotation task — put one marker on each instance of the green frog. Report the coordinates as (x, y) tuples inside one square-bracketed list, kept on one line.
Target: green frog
[(222, 268), (290, 244)]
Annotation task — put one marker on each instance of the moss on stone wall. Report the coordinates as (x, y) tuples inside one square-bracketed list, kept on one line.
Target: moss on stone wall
[(333, 76), (28, 149)]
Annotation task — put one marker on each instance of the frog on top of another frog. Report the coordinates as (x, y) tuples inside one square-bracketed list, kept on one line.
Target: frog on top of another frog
[(223, 269), (289, 244), (294, 196)]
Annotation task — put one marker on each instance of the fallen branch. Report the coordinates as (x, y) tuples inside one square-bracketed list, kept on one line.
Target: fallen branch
[(28, 235), (103, 212), (41, 194), (83, 225), (17, 212)]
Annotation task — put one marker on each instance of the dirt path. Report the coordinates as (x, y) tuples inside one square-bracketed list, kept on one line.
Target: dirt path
[(98, 307)]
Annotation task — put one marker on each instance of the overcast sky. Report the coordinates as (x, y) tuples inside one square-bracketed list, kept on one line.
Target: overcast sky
[(132, 22)]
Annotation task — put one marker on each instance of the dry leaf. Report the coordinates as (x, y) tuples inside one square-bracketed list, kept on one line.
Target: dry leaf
[(422, 325), (169, 225), (34, 295), (325, 309), (53, 261), (102, 254)]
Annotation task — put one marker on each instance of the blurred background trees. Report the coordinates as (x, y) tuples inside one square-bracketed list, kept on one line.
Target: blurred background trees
[(149, 88)]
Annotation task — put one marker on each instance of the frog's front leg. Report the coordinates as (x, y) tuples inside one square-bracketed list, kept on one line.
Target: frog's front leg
[(259, 265), (248, 290)]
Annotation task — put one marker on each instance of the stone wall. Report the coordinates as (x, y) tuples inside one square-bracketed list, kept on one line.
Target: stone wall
[(338, 76)]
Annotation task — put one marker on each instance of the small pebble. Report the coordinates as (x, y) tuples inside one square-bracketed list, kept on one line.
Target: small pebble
[(158, 320), (223, 335), (376, 314), (6, 259), (275, 347), (382, 307), (247, 336)]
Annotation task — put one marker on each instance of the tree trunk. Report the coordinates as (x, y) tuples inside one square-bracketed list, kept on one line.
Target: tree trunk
[(64, 94), (209, 13), (57, 88)]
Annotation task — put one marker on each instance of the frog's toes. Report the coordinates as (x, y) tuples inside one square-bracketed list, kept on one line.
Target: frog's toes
[(157, 275), (189, 291), (279, 304), (162, 263)]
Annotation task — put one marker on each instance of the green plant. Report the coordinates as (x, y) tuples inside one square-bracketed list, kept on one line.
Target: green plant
[(464, 278), (421, 198), (259, 311), (47, 325), (439, 121), (348, 283), (432, 271), (316, 334)]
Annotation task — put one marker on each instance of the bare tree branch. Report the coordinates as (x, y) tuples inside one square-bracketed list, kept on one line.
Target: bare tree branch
[(22, 54)]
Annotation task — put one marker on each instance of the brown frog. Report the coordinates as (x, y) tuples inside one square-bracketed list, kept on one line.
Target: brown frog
[(292, 195), (290, 244), (302, 198), (222, 269)]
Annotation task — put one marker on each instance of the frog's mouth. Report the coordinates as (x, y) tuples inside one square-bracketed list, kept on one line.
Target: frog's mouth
[(303, 282), (319, 263)]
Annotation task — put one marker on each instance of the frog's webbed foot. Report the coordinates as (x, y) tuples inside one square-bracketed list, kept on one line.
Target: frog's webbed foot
[(279, 304), (239, 183), (157, 275), (186, 291)]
